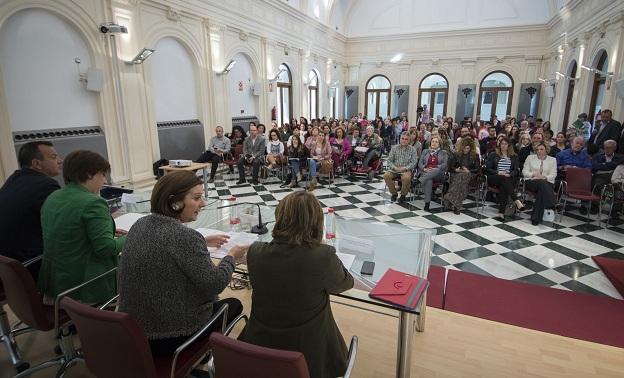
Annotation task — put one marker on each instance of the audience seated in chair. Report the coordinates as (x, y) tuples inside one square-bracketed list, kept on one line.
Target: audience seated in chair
[(502, 171), (21, 198), (401, 161), (320, 151), (290, 300), (374, 144), (274, 149), (561, 143), (575, 156), (79, 240), (298, 155), (523, 153), (341, 148), (466, 133), (218, 146), (464, 167), (254, 148), (167, 278), (431, 167), (539, 173), (603, 165)]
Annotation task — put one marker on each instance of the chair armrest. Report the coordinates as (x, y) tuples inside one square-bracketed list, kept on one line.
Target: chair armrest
[(352, 354), (57, 301), (222, 311), (32, 261), (231, 326), (114, 298)]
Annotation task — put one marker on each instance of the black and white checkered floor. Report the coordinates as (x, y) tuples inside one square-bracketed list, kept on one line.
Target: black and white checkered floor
[(556, 255)]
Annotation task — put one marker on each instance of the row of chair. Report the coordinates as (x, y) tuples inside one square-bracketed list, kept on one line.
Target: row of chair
[(114, 345)]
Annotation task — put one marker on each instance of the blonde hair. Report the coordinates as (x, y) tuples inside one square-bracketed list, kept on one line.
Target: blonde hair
[(299, 219)]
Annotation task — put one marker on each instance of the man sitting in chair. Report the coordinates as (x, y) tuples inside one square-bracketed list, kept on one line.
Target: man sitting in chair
[(401, 160), (218, 146), (254, 148)]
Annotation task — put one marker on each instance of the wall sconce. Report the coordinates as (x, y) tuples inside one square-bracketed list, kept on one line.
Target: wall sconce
[(559, 74), (141, 56), (531, 91), (400, 92), (547, 81), (277, 75), (228, 68), (466, 91), (597, 71)]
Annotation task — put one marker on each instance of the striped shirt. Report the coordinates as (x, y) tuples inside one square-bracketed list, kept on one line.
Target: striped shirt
[(403, 156), (504, 165)]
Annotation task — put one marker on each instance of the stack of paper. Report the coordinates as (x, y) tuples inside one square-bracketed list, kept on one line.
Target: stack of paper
[(124, 222), (236, 238)]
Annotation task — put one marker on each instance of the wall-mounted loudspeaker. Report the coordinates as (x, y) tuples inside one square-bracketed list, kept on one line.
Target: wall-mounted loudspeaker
[(257, 88), (619, 88), (95, 79), (332, 92), (549, 91)]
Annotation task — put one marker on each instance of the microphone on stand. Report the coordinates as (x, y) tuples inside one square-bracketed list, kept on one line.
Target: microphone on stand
[(260, 228)]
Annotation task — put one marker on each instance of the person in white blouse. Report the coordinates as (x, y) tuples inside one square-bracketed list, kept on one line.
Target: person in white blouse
[(539, 173)]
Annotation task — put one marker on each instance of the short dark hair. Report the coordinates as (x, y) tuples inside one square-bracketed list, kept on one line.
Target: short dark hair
[(30, 151), (172, 188), (80, 165)]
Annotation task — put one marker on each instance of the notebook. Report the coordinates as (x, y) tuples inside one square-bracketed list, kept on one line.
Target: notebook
[(399, 288)]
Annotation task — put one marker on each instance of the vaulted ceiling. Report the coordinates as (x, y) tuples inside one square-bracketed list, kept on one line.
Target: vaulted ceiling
[(363, 18)]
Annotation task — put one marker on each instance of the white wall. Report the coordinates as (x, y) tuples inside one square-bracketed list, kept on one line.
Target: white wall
[(242, 103), (173, 82), (37, 52)]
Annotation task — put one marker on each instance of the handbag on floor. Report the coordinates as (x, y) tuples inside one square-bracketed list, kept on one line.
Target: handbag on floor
[(510, 208), (549, 215)]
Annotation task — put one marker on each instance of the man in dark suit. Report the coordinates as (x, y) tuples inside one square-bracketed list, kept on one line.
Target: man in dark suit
[(603, 165), (608, 128), (254, 149), (21, 199)]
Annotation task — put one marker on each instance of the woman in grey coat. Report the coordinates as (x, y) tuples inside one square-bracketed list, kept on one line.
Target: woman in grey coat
[(431, 167)]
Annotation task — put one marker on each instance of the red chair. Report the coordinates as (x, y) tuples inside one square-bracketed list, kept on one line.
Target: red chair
[(115, 346), (238, 151), (577, 185), (27, 304), (236, 359)]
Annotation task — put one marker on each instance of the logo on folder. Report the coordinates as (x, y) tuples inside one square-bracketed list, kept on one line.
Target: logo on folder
[(400, 289)]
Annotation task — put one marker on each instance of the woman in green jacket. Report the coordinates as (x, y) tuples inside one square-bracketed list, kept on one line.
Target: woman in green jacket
[(292, 277), (78, 232)]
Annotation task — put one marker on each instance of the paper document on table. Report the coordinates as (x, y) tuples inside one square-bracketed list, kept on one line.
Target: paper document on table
[(346, 259), (130, 198), (236, 238), (124, 222), (355, 245)]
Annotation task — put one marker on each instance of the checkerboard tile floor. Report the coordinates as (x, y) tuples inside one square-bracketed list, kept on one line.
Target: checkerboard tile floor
[(478, 240)]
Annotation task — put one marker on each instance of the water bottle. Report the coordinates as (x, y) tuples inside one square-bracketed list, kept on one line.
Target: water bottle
[(330, 226), (234, 218)]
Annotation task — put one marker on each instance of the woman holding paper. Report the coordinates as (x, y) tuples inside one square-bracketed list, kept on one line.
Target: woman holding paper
[(167, 278), (292, 277)]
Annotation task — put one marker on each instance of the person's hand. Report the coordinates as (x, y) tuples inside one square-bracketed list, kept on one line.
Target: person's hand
[(216, 241), (238, 251), (120, 232)]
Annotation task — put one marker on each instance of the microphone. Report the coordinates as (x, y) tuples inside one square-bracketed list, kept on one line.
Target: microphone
[(260, 228)]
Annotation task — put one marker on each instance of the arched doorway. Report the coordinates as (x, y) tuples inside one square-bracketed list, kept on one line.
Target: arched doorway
[(377, 97), (495, 95), (434, 93)]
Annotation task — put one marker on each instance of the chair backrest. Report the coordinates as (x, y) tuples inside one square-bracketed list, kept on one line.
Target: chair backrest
[(578, 180), (234, 359), (22, 295), (113, 343), (238, 151)]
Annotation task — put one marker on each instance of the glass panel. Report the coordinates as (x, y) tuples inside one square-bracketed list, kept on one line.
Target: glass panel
[(486, 105), (434, 81), (438, 106), (332, 102), (501, 104), (372, 105), (312, 79), (425, 99), (496, 80), (313, 103), (286, 105), (284, 76), (378, 82), (384, 104), (599, 97), (279, 106)]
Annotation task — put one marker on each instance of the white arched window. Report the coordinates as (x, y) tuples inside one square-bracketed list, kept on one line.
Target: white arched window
[(601, 63), (495, 95), (568, 104), (313, 94), (284, 95), (434, 93), (377, 97)]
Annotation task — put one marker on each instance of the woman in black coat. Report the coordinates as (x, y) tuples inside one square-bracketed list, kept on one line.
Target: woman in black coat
[(502, 170), (292, 277)]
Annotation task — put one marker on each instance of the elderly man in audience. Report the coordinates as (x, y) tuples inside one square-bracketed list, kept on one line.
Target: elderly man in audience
[(606, 129), (575, 156), (219, 145), (603, 165), (21, 199), (539, 173), (374, 144), (401, 160), (431, 167), (254, 148)]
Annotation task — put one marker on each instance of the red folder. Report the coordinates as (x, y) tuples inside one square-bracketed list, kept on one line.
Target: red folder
[(400, 289)]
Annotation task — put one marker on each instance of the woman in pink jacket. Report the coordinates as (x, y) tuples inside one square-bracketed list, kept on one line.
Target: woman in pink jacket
[(341, 148)]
